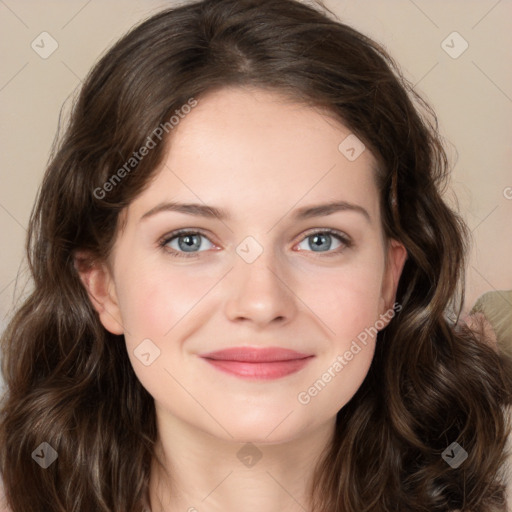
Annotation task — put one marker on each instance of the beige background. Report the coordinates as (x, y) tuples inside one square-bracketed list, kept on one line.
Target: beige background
[(472, 95)]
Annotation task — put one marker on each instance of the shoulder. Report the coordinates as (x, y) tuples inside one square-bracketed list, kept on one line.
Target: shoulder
[(495, 309)]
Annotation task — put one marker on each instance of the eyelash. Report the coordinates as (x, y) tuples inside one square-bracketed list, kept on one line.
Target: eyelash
[(347, 243)]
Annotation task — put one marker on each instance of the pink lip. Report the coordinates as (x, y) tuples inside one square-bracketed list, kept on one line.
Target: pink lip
[(258, 363)]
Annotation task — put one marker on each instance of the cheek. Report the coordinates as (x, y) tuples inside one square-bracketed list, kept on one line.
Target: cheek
[(347, 301), (153, 299), (350, 311)]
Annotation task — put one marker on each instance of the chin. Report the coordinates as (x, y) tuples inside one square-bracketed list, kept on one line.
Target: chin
[(269, 429)]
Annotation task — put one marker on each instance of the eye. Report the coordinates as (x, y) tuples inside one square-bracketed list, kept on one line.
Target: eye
[(183, 243), (186, 243), (320, 241)]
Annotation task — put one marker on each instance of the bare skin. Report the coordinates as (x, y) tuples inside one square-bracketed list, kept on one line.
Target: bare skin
[(261, 159)]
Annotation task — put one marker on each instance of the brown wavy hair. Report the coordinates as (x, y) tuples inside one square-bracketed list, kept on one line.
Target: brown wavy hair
[(70, 383)]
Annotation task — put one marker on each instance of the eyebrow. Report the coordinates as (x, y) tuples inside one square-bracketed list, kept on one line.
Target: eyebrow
[(211, 212)]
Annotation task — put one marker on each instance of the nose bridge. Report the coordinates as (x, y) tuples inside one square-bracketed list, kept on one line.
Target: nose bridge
[(258, 289)]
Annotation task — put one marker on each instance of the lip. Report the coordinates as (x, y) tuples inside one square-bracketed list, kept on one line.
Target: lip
[(258, 363)]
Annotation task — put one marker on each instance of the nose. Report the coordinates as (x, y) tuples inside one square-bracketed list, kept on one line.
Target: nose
[(259, 292)]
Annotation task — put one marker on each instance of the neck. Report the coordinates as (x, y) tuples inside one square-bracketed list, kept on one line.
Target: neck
[(202, 473)]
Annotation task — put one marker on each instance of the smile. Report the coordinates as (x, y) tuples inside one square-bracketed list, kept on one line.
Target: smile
[(257, 363)]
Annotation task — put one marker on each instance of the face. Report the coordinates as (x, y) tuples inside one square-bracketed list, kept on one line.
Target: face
[(261, 262)]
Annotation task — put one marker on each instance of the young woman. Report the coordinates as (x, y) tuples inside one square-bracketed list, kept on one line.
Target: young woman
[(245, 280)]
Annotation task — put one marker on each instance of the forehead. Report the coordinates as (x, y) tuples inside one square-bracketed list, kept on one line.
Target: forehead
[(246, 148)]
